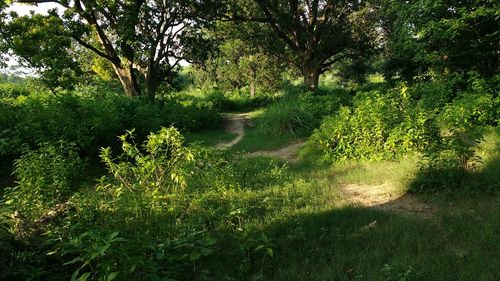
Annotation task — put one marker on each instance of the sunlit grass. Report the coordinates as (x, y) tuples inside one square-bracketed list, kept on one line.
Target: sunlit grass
[(209, 137), (256, 140)]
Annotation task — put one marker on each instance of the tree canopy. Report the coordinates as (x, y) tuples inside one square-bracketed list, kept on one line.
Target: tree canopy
[(312, 35), (147, 38), (144, 42)]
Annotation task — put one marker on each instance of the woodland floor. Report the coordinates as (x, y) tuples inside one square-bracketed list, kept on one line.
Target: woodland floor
[(383, 196)]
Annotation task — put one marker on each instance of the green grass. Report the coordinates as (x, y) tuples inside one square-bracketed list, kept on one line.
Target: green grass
[(332, 246), (314, 234), (209, 137), (276, 221), (318, 236), (256, 140)]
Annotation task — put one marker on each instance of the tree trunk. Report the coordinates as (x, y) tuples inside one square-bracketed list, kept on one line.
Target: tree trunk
[(252, 88), (152, 86), (128, 80), (311, 76), (252, 82)]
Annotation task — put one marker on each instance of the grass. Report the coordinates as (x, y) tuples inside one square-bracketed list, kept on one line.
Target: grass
[(320, 236), (333, 246), (276, 221), (315, 233), (256, 140), (209, 137)]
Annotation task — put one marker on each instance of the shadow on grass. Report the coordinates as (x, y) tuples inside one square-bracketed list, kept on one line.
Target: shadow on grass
[(479, 174), (369, 244)]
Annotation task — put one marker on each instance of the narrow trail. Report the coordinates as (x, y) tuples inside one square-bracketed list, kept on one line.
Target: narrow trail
[(287, 153), (383, 196), (235, 124)]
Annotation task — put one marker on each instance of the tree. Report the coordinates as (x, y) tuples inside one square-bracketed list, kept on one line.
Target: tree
[(41, 42), (149, 38), (441, 36), (311, 34), (237, 64)]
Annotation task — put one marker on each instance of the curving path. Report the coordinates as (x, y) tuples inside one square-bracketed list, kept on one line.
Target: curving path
[(235, 124)]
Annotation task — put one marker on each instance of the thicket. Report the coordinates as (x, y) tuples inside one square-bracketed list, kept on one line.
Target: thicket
[(442, 120), (161, 212), (91, 118)]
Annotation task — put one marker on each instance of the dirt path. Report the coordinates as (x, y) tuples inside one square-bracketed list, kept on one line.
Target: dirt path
[(287, 153), (386, 197), (235, 124)]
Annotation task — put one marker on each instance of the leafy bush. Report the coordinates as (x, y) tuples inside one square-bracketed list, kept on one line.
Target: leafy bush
[(376, 126), (92, 120), (286, 117), (450, 164), (155, 169), (44, 176), (472, 110), (238, 100), (8, 90)]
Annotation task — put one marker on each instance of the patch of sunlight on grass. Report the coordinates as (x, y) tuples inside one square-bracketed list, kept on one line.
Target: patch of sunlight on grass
[(398, 172), (256, 140), (209, 137)]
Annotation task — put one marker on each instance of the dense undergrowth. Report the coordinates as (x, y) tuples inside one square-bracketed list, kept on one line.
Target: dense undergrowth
[(164, 210), (90, 118), (443, 124)]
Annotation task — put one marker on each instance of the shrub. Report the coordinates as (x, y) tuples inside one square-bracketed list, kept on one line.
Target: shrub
[(287, 116), (8, 90), (449, 165), (151, 172), (471, 110), (239, 100), (92, 120), (44, 176), (376, 126)]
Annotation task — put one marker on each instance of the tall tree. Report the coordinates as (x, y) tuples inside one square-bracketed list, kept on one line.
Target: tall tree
[(315, 33), (41, 42), (441, 36), (234, 63), (142, 37)]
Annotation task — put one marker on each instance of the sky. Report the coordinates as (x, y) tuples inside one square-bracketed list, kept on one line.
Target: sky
[(24, 9)]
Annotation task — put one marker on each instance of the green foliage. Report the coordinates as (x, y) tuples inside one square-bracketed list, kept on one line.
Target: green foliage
[(44, 177), (11, 90), (239, 100), (36, 39), (91, 118), (299, 114), (376, 126), (287, 117), (446, 37), (240, 65), (93, 252), (472, 110), (157, 171), (449, 165)]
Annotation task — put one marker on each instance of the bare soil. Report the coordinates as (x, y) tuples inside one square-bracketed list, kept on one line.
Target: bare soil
[(235, 124), (386, 197), (287, 153)]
